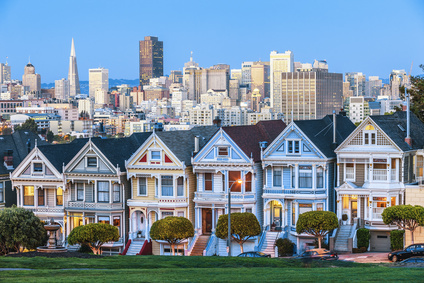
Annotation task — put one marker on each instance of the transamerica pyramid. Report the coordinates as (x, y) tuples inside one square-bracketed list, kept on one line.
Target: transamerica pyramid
[(73, 73)]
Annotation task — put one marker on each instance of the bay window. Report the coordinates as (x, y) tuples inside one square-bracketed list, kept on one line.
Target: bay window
[(320, 177), (40, 193), (142, 186), (305, 176), (233, 176), (167, 186), (28, 195), (208, 181), (102, 191), (59, 197), (180, 187), (80, 191), (248, 182), (276, 177), (116, 193)]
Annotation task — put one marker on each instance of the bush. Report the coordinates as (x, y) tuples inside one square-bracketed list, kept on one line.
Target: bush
[(84, 248), (359, 250), (396, 239), (363, 238), (93, 235), (344, 217), (285, 247)]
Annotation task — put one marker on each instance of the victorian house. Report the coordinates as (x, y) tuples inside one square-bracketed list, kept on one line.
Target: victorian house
[(162, 183), (233, 153), (374, 164), (299, 175)]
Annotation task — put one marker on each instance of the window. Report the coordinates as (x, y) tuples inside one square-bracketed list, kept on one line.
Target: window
[(142, 186), (249, 210), (320, 206), (102, 191), (104, 219), (350, 172), (1, 192), (166, 214), (40, 193), (305, 176), (80, 191), (208, 181), (156, 187), (233, 176), (222, 151), (320, 177), (248, 182), (180, 187), (28, 195), (37, 167), (155, 155), (180, 214), (304, 207), (89, 192), (116, 193), (379, 204), (167, 187), (293, 147), (117, 223), (91, 161), (59, 197), (293, 214), (276, 177)]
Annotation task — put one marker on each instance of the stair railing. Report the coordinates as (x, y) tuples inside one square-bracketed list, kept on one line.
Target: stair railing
[(127, 246), (146, 249), (191, 244), (261, 240), (211, 243)]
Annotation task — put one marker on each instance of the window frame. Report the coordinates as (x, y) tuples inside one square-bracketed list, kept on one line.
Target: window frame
[(33, 168), (80, 186), (225, 148), (59, 198), (139, 183), (27, 197), (170, 179), (159, 159), (180, 187), (274, 176), (291, 147), (305, 178), (90, 164), (207, 181), (116, 188), (103, 192)]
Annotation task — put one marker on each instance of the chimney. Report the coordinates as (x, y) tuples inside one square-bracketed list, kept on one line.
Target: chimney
[(28, 143), (217, 122), (8, 159), (196, 144), (408, 138)]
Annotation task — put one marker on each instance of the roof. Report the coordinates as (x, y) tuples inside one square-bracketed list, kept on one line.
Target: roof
[(181, 143), (248, 137), (320, 132), (390, 125), (18, 143)]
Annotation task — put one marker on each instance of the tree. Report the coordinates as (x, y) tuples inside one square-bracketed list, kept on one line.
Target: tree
[(317, 224), (20, 229), (173, 230), (28, 125), (94, 235), (243, 227), (50, 136), (405, 217), (416, 92)]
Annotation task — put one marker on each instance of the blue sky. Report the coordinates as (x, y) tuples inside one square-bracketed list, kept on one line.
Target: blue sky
[(372, 37)]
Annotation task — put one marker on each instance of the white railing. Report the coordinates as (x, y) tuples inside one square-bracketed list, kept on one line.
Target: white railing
[(222, 196), (93, 205), (46, 210), (393, 175), (379, 175), (173, 200), (376, 212), (350, 173)]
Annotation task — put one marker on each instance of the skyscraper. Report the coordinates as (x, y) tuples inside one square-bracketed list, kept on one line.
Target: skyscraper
[(4, 73), (279, 63), (74, 86), (357, 83), (98, 80), (61, 89), (260, 78), (31, 79), (151, 59)]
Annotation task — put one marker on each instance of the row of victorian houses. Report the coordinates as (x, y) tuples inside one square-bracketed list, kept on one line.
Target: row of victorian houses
[(326, 164)]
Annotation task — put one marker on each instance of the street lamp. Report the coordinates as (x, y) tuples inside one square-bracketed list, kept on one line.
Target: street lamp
[(239, 181)]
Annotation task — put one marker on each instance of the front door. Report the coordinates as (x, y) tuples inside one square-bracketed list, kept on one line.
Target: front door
[(353, 210), (206, 220), (277, 216)]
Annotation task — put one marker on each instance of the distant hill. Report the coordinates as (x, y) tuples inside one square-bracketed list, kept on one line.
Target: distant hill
[(84, 84)]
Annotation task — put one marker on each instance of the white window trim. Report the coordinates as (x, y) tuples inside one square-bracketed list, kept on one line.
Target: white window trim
[(42, 168), (287, 147), (222, 156), (138, 187), (354, 173), (86, 161), (281, 170), (369, 132), (160, 155)]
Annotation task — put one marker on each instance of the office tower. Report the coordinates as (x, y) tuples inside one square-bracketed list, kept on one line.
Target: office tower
[(397, 79), (62, 89), (347, 92), (98, 80), (311, 95), (373, 86), (73, 73), (176, 77), (101, 97), (151, 59), (279, 63), (31, 79), (5, 74), (236, 75), (188, 67), (246, 75), (260, 78), (356, 82), (86, 106), (320, 64)]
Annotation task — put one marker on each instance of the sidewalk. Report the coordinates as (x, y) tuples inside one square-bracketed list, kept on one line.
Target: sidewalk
[(368, 257)]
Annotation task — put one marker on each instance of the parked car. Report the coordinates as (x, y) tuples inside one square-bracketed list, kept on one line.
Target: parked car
[(414, 259), (409, 251), (254, 254), (321, 254)]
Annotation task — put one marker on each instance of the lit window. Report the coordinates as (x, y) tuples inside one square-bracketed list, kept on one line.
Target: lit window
[(104, 219), (222, 151), (59, 197), (28, 195), (320, 206)]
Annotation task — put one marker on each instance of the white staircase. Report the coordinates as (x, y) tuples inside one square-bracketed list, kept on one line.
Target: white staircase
[(268, 246), (341, 242), (135, 247)]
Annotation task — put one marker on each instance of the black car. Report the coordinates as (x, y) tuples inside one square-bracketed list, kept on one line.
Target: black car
[(410, 251), (320, 254), (414, 259), (253, 254)]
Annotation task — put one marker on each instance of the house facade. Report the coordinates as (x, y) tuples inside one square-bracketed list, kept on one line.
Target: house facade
[(299, 168)]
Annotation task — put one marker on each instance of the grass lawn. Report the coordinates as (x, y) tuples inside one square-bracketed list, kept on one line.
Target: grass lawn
[(195, 269)]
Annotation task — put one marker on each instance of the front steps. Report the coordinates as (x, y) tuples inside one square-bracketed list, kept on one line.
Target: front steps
[(200, 245), (341, 242), (268, 246), (135, 247)]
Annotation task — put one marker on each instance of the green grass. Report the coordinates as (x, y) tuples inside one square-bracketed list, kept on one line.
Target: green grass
[(196, 269)]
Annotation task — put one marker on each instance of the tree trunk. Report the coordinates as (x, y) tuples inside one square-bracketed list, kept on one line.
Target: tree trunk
[(173, 248), (241, 247), (412, 236), (319, 241)]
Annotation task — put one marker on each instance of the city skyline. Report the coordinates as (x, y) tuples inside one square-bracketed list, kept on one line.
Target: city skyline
[(240, 32)]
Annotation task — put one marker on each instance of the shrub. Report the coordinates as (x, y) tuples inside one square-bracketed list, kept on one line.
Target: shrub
[(317, 224), (93, 235), (344, 217), (285, 247), (359, 250), (396, 239), (84, 248), (363, 238)]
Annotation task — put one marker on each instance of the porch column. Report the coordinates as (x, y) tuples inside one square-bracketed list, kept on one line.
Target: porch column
[(110, 191), (359, 207), (213, 217), (36, 196), (389, 169), (338, 174), (314, 176), (296, 176), (339, 207), (397, 169)]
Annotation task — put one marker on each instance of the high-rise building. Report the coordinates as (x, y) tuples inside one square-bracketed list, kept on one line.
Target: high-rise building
[(98, 80), (373, 86), (62, 89), (31, 79), (151, 59), (279, 63), (246, 73), (188, 67), (260, 78), (74, 85), (357, 83), (176, 77), (311, 95), (397, 79), (5, 74)]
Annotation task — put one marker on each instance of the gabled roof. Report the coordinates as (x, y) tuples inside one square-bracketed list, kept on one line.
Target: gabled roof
[(18, 143), (248, 137), (181, 143), (320, 132), (390, 125)]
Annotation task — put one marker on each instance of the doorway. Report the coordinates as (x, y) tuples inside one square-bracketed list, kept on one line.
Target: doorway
[(353, 210), (206, 220)]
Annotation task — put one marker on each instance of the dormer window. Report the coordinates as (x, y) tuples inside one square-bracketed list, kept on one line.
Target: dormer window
[(370, 135), (222, 151), (293, 147), (37, 167), (91, 162)]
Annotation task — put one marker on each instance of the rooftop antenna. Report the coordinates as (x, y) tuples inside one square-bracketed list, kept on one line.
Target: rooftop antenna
[(6, 60), (191, 56)]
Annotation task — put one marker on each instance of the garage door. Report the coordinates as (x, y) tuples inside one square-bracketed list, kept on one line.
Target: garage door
[(380, 241)]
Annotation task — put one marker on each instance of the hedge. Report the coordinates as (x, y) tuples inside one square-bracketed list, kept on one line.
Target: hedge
[(396, 239)]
